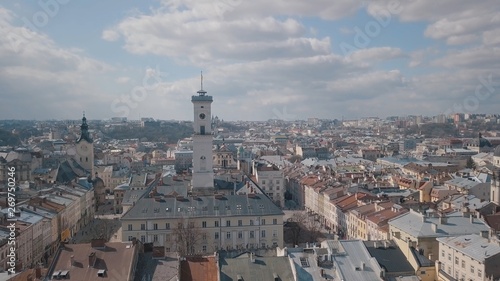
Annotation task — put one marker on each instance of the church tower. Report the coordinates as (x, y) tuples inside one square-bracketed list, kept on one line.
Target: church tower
[(203, 174), (85, 148), (495, 183)]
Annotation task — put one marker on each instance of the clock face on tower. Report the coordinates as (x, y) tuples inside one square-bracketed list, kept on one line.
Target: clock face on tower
[(202, 116), (83, 149)]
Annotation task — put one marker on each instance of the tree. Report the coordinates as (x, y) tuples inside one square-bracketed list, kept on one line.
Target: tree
[(302, 228), (295, 224), (187, 235), (470, 163)]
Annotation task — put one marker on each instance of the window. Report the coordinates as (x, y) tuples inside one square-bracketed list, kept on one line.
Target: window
[(204, 236), (471, 269), (263, 181), (191, 224), (252, 234), (240, 234), (277, 181), (204, 248), (240, 222), (167, 237), (155, 238), (263, 222), (129, 227), (449, 256), (251, 222), (155, 226), (263, 233), (216, 224), (130, 238), (479, 273), (204, 224), (228, 223), (167, 225), (263, 245), (143, 226), (463, 263), (228, 235), (143, 238), (442, 253), (275, 233), (456, 260), (275, 221), (217, 235)]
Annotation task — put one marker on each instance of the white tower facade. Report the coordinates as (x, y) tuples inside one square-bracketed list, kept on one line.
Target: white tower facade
[(203, 172)]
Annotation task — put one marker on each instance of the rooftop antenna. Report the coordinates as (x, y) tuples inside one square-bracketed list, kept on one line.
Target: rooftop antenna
[(84, 113), (202, 92)]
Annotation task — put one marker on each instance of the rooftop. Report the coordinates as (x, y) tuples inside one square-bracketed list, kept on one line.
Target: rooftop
[(474, 246), (203, 206), (263, 268), (199, 269), (116, 259), (419, 225)]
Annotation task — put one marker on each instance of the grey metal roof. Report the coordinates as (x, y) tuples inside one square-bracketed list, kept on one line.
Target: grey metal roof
[(472, 245), (390, 258), (414, 224), (263, 268), (206, 206)]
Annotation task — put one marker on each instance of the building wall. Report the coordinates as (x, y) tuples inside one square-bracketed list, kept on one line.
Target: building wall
[(458, 265), (273, 184), (215, 229)]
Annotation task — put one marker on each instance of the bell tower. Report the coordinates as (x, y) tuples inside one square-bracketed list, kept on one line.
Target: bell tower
[(203, 174), (85, 148)]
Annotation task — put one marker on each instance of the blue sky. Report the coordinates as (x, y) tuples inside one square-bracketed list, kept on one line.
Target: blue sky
[(281, 59)]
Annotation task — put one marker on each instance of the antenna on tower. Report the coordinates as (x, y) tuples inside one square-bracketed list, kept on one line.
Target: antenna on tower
[(201, 92), (84, 113)]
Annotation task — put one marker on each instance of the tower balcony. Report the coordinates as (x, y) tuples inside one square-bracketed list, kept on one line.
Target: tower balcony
[(202, 98)]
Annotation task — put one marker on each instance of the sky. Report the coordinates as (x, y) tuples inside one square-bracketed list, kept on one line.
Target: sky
[(280, 59)]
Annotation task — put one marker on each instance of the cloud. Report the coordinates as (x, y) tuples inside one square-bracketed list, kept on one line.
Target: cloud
[(110, 35), (36, 73), (122, 80)]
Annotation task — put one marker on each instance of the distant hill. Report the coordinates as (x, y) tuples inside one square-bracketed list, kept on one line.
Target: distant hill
[(8, 139), (167, 132)]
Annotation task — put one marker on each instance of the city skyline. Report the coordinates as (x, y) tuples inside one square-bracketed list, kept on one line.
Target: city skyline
[(281, 60)]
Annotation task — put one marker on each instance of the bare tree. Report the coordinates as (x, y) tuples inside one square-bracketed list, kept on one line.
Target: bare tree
[(296, 223), (302, 228), (187, 236)]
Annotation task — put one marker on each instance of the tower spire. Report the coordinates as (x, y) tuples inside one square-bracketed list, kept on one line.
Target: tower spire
[(201, 92)]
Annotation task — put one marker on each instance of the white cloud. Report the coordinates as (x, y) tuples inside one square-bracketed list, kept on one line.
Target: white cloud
[(122, 80), (110, 35)]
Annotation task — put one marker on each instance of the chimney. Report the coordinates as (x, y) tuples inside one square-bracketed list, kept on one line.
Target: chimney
[(72, 261), (38, 272), (363, 266), (92, 259), (434, 227), (252, 258)]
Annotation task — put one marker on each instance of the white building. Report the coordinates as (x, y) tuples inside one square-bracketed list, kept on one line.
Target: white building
[(468, 257), (271, 180)]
